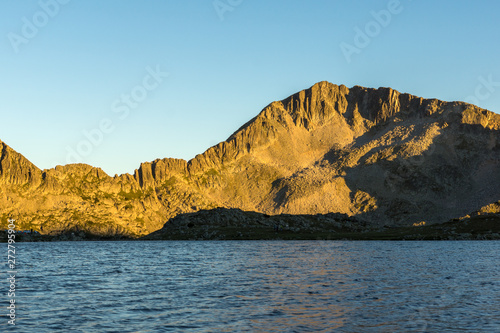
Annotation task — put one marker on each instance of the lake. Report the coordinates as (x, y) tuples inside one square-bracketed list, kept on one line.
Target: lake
[(256, 286)]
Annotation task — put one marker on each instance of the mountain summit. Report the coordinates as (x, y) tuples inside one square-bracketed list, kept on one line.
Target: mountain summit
[(381, 156)]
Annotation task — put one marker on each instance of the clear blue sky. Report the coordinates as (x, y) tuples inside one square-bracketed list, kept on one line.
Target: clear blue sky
[(71, 72)]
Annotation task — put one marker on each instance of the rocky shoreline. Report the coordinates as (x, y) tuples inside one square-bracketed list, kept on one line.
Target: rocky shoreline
[(63, 236), (235, 224)]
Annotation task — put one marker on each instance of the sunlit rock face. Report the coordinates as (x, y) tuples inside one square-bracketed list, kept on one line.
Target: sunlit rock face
[(376, 154)]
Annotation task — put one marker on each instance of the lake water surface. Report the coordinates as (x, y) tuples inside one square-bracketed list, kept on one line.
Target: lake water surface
[(257, 286)]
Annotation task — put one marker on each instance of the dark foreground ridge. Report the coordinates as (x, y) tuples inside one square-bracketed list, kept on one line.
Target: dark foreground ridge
[(235, 224)]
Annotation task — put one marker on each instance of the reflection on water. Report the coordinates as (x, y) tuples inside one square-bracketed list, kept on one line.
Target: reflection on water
[(258, 286)]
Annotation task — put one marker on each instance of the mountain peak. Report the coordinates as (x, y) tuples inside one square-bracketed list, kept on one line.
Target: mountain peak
[(352, 112)]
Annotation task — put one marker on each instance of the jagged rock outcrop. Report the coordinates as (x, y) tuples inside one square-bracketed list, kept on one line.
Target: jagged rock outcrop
[(385, 157), (158, 171), (16, 169)]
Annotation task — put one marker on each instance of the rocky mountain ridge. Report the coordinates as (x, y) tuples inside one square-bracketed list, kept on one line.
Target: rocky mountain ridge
[(381, 156)]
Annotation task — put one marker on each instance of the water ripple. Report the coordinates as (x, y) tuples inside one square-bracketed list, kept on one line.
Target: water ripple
[(258, 286)]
